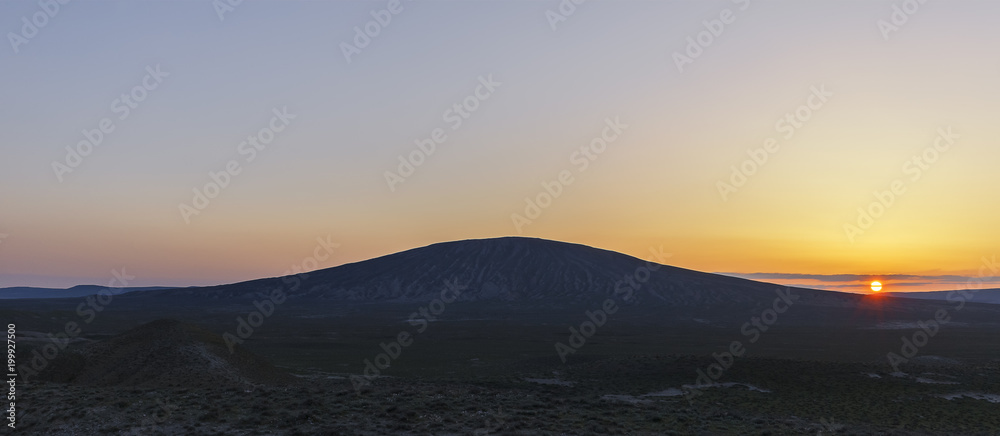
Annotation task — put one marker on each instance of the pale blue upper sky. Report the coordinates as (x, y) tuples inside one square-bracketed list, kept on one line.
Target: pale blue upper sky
[(324, 175)]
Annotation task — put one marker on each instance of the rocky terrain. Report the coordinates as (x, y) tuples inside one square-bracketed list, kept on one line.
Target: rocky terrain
[(634, 395)]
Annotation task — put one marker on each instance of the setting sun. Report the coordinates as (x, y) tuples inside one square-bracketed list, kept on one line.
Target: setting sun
[(876, 286)]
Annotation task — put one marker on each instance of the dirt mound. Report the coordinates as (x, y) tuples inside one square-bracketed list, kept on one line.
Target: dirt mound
[(168, 353)]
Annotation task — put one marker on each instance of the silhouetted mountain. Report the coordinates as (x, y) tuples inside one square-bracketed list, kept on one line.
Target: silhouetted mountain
[(76, 291), (512, 269), (991, 296)]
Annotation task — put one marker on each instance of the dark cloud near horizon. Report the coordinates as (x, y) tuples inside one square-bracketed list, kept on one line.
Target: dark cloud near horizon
[(859, 282), (841, 278)]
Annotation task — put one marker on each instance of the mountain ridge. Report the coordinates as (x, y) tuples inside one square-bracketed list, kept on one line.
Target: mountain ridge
[(23, 292), (990, 296)]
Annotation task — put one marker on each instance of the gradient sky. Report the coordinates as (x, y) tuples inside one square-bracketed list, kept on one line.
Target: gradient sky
[(656, 185)]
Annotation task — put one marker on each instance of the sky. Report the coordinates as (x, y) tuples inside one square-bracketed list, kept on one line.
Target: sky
[(822, 143)]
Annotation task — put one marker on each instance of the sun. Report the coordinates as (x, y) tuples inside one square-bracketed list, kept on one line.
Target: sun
[(876, 286)]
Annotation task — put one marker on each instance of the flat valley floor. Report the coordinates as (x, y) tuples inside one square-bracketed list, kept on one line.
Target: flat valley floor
[(470, 375)]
